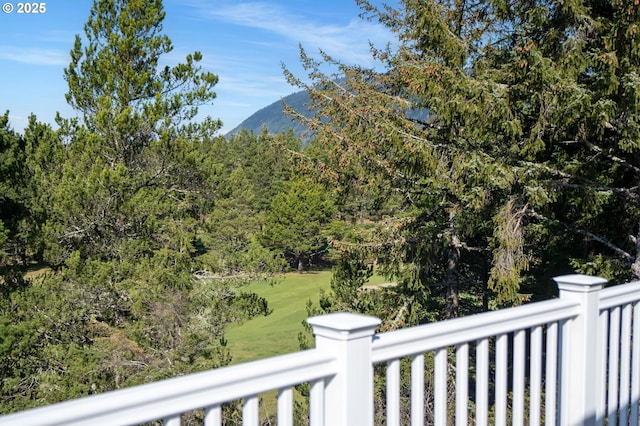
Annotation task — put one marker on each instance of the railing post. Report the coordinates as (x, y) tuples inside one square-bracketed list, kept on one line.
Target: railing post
[(581, 339), (348, 395)]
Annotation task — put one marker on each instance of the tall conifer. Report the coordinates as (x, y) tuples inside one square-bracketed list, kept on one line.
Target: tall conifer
[(510, 127)]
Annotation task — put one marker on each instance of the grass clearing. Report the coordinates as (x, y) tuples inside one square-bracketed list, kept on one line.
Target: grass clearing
[(277, 334)]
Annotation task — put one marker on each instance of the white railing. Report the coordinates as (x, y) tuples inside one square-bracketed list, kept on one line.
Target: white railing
[(574, 360), (490, 334), (168, 399), (619, 368)]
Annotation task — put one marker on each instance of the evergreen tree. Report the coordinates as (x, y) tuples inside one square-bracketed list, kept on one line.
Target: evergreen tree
[(509, 129), (138, 150), (117, 84), (12, 175), (295, 223), (45, 156)]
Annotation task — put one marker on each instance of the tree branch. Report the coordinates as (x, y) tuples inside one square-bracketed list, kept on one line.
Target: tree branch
[(586, 233), (611, 157)]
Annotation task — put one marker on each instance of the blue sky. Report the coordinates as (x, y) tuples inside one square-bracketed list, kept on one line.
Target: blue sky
[(243, 42)]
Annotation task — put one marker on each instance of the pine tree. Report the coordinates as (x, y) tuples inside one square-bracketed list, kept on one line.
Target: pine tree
[(295, 223), (135, 156), (118, 86), (12, 174)]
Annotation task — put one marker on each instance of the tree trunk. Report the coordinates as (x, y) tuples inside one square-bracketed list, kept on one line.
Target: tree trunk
[(635, 266), (452, 278), (300, 266)]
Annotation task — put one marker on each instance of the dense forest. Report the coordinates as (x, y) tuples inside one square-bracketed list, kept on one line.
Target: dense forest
[(500, 147)]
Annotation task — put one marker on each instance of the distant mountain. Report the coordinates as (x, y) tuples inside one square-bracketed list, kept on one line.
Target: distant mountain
[(274, 118), (276, 121)]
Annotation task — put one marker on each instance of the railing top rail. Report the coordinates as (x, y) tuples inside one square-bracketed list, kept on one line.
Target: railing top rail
[(428, 337), (620, 295), (170, 397)]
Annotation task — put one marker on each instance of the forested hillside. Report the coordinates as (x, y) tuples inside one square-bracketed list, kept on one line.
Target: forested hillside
[(144, 225)]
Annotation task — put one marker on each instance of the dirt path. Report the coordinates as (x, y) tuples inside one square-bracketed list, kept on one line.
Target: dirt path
[(377, 286)]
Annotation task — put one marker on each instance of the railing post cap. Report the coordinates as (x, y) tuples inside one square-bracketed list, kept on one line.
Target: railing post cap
[(343, 325), (579, 283)]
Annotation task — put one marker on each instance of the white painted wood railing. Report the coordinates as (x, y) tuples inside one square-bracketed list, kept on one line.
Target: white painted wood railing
[(488, 337), (619, 366), (574, 360)]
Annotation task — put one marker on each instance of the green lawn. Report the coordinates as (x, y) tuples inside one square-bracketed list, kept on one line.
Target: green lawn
[(277, 333)]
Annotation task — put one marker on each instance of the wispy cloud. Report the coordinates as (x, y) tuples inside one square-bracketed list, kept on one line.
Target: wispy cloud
[(254, 86), (18, 122), (65, 37), (34, 56), (242, 77), (348, 42)]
